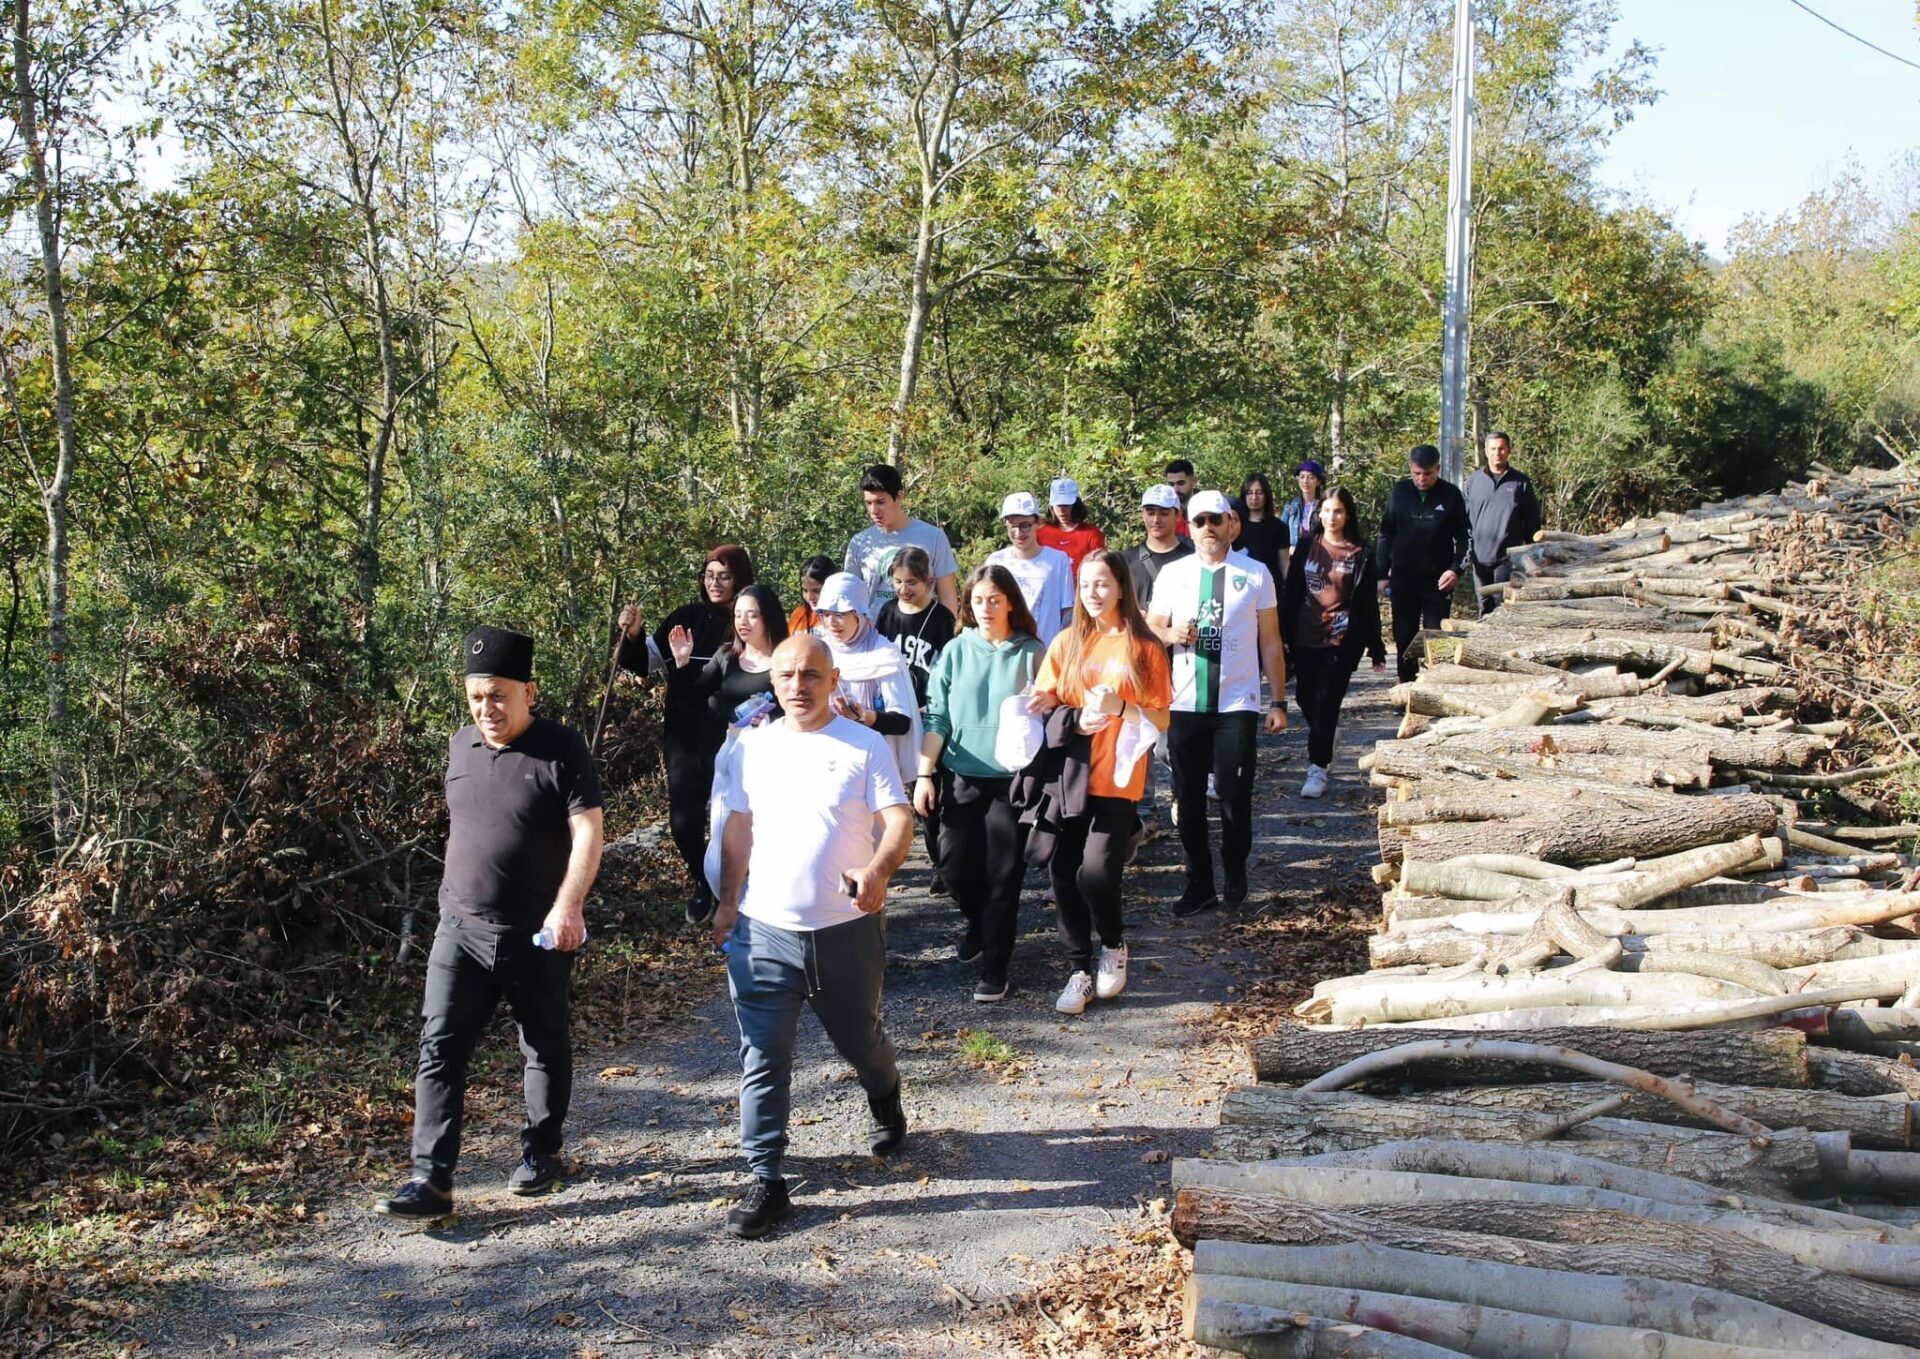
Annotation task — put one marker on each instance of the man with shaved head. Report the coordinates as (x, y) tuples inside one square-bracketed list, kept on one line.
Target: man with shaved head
[(817, 824)]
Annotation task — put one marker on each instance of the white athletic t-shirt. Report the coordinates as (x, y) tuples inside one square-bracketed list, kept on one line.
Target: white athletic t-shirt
[(1221, 673), (814, 797), (870, 556), (1046, 582)]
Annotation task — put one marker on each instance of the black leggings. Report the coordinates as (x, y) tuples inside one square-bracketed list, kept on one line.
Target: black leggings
[(1088, 859), (1320, 680), (983, 856), (689, 793)]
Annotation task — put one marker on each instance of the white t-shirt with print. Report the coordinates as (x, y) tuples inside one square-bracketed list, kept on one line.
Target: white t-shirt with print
[(1046, 583), (814, 796), (1221, 672), (870, 556)]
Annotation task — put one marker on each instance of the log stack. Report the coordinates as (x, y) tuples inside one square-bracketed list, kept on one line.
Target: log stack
[(1633, 1069)]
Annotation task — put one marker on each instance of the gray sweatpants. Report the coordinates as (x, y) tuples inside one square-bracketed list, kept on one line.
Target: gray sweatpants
[(771, 971)]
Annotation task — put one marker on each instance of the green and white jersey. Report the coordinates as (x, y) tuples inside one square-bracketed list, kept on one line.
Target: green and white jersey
[(1221, 672)]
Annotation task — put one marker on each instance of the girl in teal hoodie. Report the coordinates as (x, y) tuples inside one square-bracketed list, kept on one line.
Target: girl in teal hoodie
[(982, 843)]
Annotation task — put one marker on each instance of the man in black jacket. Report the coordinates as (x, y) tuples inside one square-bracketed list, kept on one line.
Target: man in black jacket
[(1502, 512), (1423, 549)]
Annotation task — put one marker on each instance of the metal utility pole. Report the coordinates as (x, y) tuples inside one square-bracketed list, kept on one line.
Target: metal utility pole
[(1454, 331)]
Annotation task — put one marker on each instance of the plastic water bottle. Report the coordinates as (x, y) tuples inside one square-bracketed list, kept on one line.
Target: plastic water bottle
[(749, 711), (548, 939)]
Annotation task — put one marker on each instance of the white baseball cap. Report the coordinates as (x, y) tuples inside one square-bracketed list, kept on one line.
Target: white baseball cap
[(1064, 491), (1020, 502), (1208, 502), (1160, 496)]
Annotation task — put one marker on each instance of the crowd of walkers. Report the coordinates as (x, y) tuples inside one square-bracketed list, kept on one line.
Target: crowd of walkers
[(1018, 716)]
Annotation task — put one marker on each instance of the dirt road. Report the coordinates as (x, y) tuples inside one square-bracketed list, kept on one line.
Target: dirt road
[(1032, 1135)]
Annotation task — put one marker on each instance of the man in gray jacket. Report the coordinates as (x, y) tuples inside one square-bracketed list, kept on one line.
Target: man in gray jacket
[(1502, 512)]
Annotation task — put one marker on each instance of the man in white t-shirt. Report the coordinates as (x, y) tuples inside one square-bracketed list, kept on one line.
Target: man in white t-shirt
[(1044, 574), (817, 823), (870, 555), (1219, 611)]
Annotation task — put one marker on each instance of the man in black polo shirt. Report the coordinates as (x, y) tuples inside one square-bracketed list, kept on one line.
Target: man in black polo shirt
[(523, 846)]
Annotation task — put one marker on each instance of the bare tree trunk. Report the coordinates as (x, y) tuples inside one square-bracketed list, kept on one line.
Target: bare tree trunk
[(54, 490), (360, 173), (913, 343)]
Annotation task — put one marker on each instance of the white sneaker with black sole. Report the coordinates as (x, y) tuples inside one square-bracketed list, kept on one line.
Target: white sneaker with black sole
[(1075, 994), (1110, 978)]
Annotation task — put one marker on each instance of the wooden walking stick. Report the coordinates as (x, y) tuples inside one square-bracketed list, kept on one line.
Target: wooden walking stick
[(613, 673)]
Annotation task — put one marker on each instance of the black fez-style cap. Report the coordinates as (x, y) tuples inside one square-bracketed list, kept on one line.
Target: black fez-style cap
[(498, 653), (1424, 455)]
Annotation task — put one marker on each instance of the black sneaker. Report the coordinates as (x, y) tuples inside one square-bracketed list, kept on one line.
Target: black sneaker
[(701, 905), (970, 944), (889, 1123), (1195, 900), (418, 1201), (764, 1204), (1236, 893), (939, 886), (537, 1174), (988, 990)]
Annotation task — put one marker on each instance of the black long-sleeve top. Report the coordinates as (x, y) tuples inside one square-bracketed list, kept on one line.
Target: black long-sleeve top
[(727, 684), (686, 720), (1423, 534)]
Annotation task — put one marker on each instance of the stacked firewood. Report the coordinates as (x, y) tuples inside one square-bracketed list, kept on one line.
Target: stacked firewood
[(1680, 1118)]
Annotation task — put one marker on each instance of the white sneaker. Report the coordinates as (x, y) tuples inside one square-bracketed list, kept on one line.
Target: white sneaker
[(1076, 993), (1110, 979), (1316, 784)]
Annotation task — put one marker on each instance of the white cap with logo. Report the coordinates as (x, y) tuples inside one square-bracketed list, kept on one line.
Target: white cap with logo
[(1160, 496), (1208, 502), (1064, 491), (1020, 502)]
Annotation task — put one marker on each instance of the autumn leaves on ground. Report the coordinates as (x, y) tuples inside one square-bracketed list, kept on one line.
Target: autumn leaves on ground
[(111, 1220)]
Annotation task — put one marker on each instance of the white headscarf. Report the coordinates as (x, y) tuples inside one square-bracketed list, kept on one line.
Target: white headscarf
[(873, 673)]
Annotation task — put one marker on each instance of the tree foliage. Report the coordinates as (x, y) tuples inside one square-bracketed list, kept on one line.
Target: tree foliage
[(454, 310)]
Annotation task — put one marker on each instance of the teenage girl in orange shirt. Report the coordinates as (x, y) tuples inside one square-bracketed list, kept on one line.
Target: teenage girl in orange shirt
[(1109, 665)]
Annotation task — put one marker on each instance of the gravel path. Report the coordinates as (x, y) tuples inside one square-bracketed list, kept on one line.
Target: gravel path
[(1007, 1166)]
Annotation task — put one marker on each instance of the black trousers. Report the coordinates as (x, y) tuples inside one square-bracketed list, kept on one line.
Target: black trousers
[(689, 793), (1088, 860), (1417, 603), (1320, 680), (1223, 745), (983, 856), (1501, 572), (469, 971)]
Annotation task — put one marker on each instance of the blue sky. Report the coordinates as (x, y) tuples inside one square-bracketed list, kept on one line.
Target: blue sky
[(1761, 104)]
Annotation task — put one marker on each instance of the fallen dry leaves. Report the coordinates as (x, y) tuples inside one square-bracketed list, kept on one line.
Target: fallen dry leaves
[(1121, 1301)]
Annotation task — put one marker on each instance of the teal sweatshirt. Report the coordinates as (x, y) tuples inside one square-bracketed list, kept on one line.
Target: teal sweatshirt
[(969, 682)]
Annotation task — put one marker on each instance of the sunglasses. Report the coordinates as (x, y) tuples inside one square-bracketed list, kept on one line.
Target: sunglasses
[(1209, 520)]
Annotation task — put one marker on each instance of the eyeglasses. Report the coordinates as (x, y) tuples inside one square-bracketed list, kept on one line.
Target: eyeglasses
[(720, 577), (1209, 520)]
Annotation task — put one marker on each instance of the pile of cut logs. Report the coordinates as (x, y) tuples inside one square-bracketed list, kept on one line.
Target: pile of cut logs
[(1632, 1072)]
